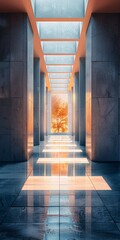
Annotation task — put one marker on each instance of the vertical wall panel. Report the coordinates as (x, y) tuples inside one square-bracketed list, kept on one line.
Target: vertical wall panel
[(102, 86), (42, 106), (36, 101), (16, 87), (48, 111), (70, 112), (76, 79), (82, 101)]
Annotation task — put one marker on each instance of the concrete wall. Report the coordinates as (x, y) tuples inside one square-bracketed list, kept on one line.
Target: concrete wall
[(16, 87), (70, 112), (76, 91), (73, 110), (48, 111), (82, 105), (36, 101), (102, 87), (42, 106)]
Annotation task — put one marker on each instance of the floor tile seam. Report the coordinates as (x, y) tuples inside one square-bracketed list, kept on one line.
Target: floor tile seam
[(2, 221), (100, 196), (92, 183), (97, 192), (25, 181), (60, 206), (59, 224), (14, 200), (59, 190), (11, 172), (34, 207), (110, 214), (59, 195), (37, 222), (117, 226)]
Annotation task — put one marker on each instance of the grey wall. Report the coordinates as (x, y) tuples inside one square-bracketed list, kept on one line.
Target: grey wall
[(16, 88), (29, 92), (73, 111), (36, 101), (102, 87), (82, 90), (70, 112), (48, 111), (76, 86), (42, 106)]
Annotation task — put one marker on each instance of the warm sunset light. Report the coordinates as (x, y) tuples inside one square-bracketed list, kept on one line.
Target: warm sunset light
[(60, 145), (62, 150), (58, 136), (59, 119), (60, 141), (65, 183), (63, 160), (59, 113)]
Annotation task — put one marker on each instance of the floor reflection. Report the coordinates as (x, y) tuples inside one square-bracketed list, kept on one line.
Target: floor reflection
[(60, 195)]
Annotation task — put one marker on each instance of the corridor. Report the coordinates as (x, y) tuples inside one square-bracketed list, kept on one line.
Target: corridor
[(59, 195), (59, 120)]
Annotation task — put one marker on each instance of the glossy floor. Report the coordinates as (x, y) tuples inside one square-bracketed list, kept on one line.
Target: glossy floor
[(59, 195)]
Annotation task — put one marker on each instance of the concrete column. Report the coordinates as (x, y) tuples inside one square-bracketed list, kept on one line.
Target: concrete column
[(42, 106), (73, 111), (82, 102), (36, 101), (45, 110), (76, 92), (70, 112), (102, 87), (48, 111), (16, 87)]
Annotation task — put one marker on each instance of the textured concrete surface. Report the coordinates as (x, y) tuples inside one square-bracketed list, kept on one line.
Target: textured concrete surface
[(102, 87), (36, 101), (82, 105), (16, 87), (42, 105), (76, 95)]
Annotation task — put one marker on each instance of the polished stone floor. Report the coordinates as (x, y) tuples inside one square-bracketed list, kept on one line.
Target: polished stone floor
[(59, 195)]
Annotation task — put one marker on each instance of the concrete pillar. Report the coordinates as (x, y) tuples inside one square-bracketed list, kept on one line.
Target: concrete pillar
[(82, 102), (102, 87), (48, 111), (36, 101), (45, 110), (76, 92), (42, 106), (70, 112), (16, 87), (73, 111)]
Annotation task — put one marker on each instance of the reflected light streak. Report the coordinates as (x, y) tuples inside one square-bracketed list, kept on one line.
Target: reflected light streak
[(63, 160), (65, 183), (62, 150)]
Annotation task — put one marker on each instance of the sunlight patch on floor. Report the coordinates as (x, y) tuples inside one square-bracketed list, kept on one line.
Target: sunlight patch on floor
[(61, 141), (61, 145), (63, 160), (65, 183), (62, 150)]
